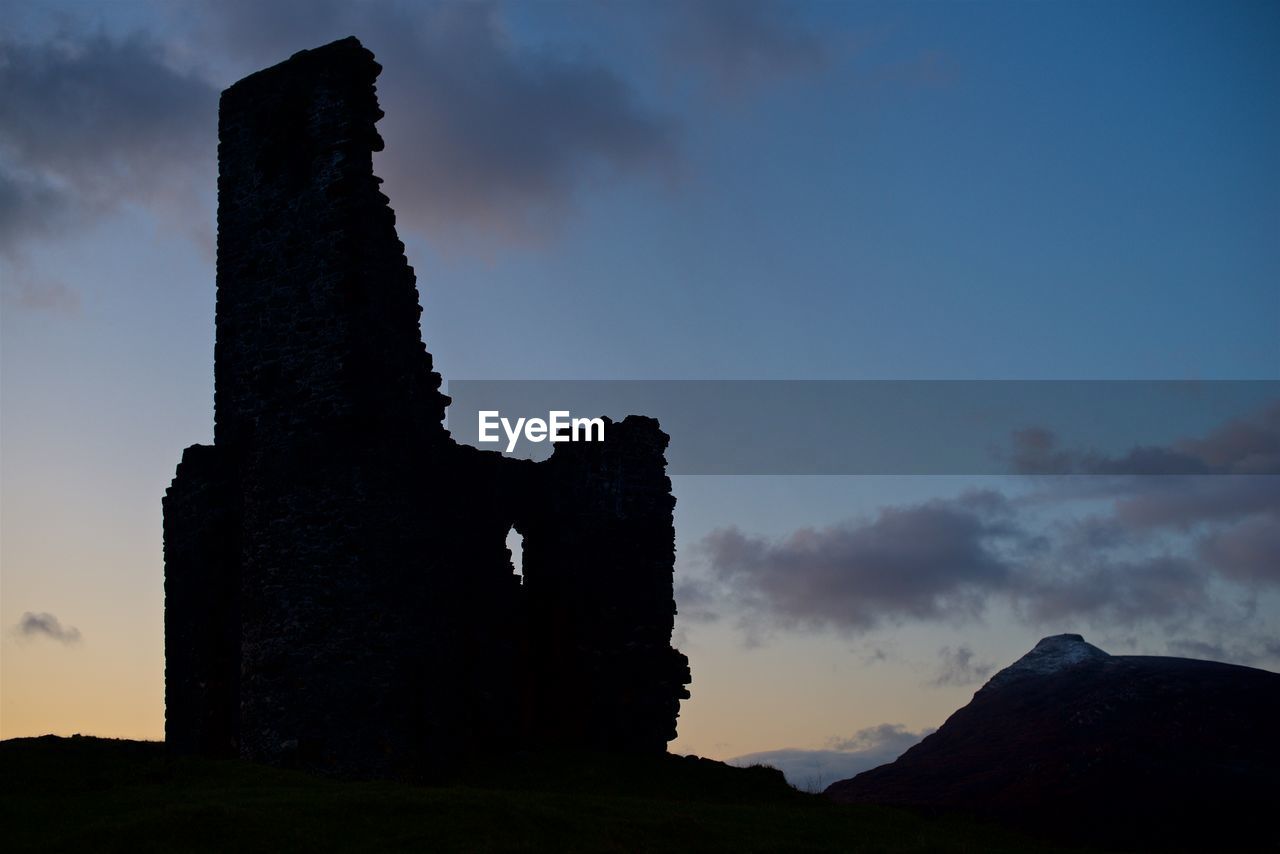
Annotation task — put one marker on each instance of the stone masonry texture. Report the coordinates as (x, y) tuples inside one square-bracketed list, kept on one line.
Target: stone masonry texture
[(339, 595)]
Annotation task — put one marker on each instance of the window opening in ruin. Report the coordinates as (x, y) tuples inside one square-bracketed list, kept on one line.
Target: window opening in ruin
[(515, 542)]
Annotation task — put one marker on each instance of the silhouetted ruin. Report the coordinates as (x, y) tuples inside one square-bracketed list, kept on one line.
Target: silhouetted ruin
[(338, 590)]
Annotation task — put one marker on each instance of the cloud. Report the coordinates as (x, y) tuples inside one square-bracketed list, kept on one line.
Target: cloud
[(485, 133), (482, 131), (1183, 502), (1162, 587), (958, 667), (696, 600), (25, 291), (1248, 445), (814, 770), (1170, 552), (1191, 648), (1228, 645), (942, 561), (1036, 451), (1247, 552), (89, 123), (925, 561), (891, 737), (34, 625), (29, 206), (741, 44), (267, 33)]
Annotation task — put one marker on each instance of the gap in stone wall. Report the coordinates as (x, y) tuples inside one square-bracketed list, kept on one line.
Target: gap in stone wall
[(515, 545)]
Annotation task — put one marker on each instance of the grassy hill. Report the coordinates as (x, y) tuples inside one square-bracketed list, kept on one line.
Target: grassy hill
[(88, 794)]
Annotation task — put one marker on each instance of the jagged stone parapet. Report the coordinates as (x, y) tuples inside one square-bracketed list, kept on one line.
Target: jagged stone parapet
[(339, 594), (317, 321)]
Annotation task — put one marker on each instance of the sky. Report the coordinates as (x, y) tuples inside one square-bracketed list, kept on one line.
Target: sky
[(703, 190)]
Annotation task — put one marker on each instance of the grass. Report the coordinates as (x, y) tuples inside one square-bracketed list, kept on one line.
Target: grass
[(88, 794)]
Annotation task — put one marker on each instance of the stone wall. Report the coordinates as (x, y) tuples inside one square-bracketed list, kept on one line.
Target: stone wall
[(599, 548), (202, 526), (339, 594)]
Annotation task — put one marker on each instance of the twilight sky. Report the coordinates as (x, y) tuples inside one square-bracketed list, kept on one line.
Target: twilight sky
[(709, 190)]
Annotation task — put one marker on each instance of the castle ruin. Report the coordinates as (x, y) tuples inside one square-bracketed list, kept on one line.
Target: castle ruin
[(339, 595)]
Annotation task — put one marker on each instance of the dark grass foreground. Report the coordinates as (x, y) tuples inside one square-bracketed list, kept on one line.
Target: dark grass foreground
[(88, 794)]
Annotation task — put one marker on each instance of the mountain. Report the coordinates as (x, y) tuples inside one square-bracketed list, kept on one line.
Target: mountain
[(1071, 734)]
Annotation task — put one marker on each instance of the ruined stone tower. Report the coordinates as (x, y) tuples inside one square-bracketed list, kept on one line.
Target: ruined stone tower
[(338, 591)]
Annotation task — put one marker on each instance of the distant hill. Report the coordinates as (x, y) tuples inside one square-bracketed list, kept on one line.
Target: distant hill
[(1071, 735)]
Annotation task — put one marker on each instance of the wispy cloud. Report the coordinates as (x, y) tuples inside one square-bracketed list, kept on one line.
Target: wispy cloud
[(26, 291), (814, 770), (1248, 445), (43, 625), (741, 44), (1247, 650), (1248, 551), (960, 666)]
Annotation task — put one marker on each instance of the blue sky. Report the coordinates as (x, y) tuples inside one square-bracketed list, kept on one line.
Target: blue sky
[(977, 190)]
